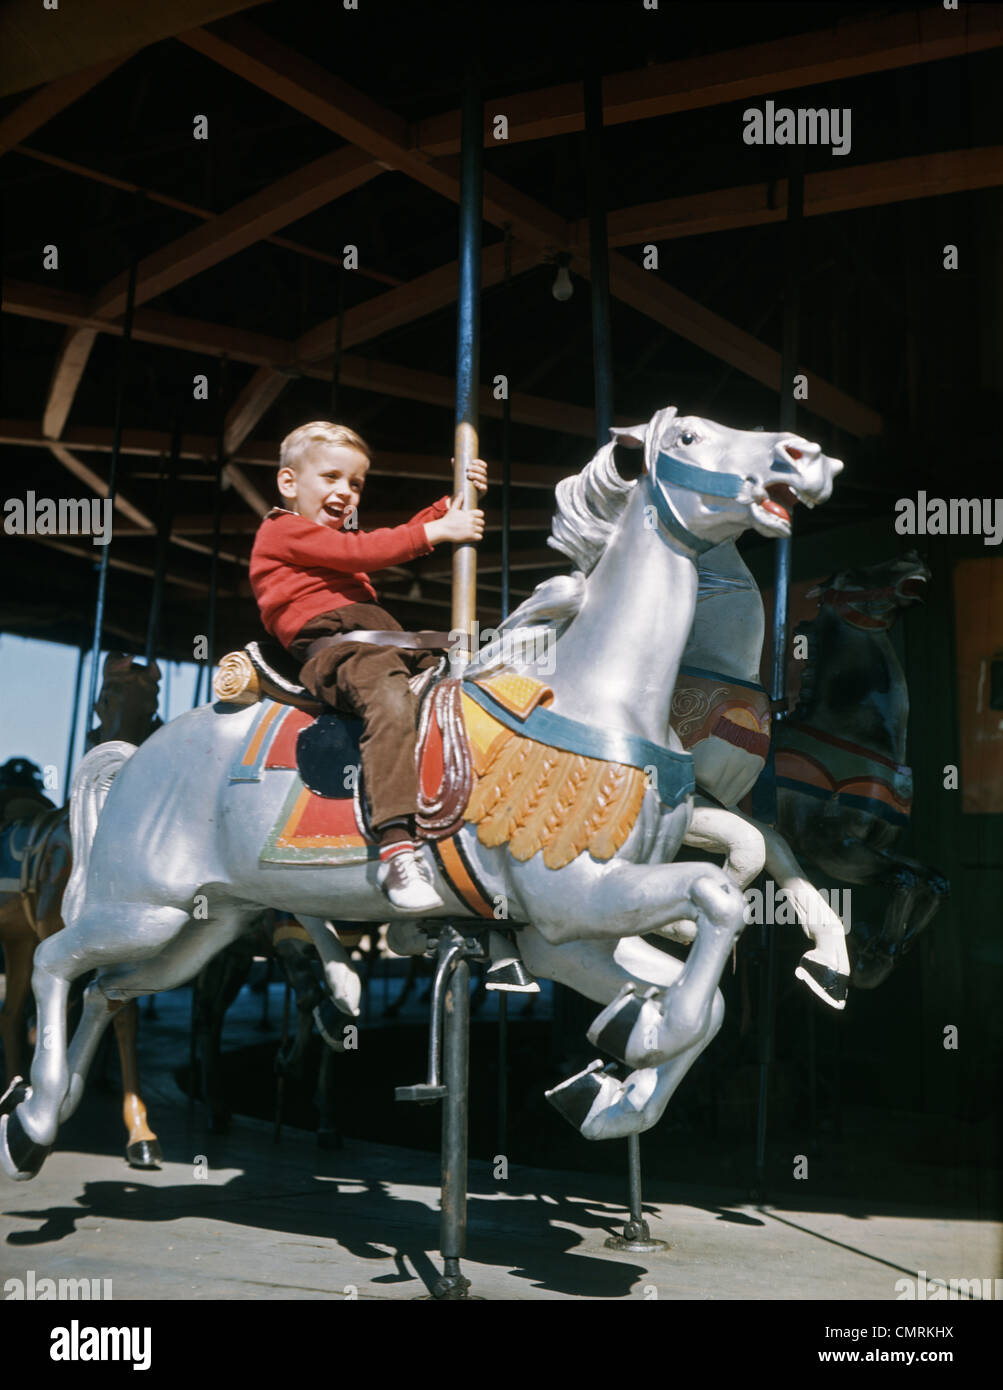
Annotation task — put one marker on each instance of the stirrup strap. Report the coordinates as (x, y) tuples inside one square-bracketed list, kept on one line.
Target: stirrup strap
[(410, 641)]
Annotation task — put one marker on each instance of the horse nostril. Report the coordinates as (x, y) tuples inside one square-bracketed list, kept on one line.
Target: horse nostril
[(792, 452)]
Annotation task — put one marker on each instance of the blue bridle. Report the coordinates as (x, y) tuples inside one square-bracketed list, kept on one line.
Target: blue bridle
[(669, 469)]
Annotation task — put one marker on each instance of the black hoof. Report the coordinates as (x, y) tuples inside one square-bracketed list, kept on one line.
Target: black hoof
[(15, 1093), (23, 1156), (574, 1098), (144, 1153), (612, 1029), (511, 975), (833, 982), (330, 1025)]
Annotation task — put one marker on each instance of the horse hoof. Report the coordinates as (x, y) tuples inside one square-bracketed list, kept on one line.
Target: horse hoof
[(511, 976), (829, 984), (144, 1153), (613, 1030), (15, 1093), (329, 1025), (20, 1157), (575, 1097)]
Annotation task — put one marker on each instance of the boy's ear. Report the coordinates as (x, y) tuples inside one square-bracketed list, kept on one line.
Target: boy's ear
[(285, 481)]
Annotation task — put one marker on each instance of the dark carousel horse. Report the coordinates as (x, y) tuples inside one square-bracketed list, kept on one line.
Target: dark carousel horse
[(283, 940), (35, 862), (844, 793)]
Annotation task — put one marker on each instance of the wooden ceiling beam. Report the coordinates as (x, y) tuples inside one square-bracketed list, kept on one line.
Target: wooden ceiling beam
[(262, 454), (98, 176), (657, 300), (366, 374), (46, 103), (314, 92), (857, 48), (287, 200), (835, 190), (375, 316)]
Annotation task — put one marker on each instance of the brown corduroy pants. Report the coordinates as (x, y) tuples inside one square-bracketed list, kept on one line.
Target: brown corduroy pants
[(372, 684)]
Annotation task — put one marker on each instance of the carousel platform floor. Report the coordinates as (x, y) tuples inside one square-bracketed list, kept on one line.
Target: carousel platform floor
[(241, 1218)]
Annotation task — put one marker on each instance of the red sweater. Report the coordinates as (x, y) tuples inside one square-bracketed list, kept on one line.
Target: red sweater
[(300, 569)]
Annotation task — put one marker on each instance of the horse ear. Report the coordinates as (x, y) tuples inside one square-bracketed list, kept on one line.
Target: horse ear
[(154, 671), (116, 661), (817, 590), (630, 436)]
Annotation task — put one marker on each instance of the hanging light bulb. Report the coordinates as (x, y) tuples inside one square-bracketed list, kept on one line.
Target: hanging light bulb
[(562, 289)]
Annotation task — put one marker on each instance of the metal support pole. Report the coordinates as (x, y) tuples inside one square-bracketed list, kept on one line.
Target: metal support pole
[(452, 1284), (165, 515), (468, 337), (781, 603), (506, 501), (74, 718), (217, 518), (635, 1235), (339, 322), (116, 446), (602, 346)]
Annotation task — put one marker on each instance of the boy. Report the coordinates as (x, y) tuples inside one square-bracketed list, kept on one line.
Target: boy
[(308, 574)]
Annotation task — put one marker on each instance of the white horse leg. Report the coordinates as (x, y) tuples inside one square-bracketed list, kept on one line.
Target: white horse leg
[(825, 969), (600, 1105), (343, 982), (99, 937), (97, 1014), (721, 832), (630, 899)]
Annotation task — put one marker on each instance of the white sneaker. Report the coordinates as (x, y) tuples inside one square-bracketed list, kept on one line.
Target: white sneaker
[(405, 882)]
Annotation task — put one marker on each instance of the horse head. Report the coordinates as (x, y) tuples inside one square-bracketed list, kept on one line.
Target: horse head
[(871, 596), (127, 704), (709, 483)]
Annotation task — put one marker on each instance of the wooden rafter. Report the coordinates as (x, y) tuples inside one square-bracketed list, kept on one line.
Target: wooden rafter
[(241, 226), (375, 316), (291, 78), (874, 44), (260, 454), (298, 248), (835, 190), (54, 97)]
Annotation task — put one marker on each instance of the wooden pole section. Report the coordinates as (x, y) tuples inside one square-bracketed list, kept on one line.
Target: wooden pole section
[(468, 341)]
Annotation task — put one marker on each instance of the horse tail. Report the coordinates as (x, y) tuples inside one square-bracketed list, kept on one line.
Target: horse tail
[(91, 784)]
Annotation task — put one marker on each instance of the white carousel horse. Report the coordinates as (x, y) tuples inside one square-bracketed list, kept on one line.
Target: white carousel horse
[(171, 872)]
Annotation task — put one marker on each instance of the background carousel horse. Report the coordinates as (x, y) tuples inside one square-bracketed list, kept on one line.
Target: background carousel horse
[(38, 845), (722, 715), (282, 938), (596, 769), (843, 792)]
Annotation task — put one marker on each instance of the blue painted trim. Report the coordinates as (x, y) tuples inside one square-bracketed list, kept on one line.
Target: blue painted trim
[(857, 803), (720, 676), (669, 469)]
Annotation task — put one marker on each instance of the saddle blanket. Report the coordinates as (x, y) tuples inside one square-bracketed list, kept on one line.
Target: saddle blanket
[(706, 703), (471, 767), (821, 765)]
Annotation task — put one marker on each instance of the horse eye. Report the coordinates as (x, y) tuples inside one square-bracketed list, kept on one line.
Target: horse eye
[(687, 437)]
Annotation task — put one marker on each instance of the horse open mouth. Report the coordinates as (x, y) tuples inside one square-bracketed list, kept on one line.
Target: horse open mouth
[(913, 587), (780, 500)]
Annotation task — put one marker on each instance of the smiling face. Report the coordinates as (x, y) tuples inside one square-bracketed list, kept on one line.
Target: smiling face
[(325, 487)]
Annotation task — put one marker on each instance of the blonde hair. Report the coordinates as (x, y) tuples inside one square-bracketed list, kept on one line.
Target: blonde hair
[(297, 445)]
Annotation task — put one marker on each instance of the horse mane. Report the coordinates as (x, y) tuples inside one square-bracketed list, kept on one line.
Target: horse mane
[(589, 506)]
